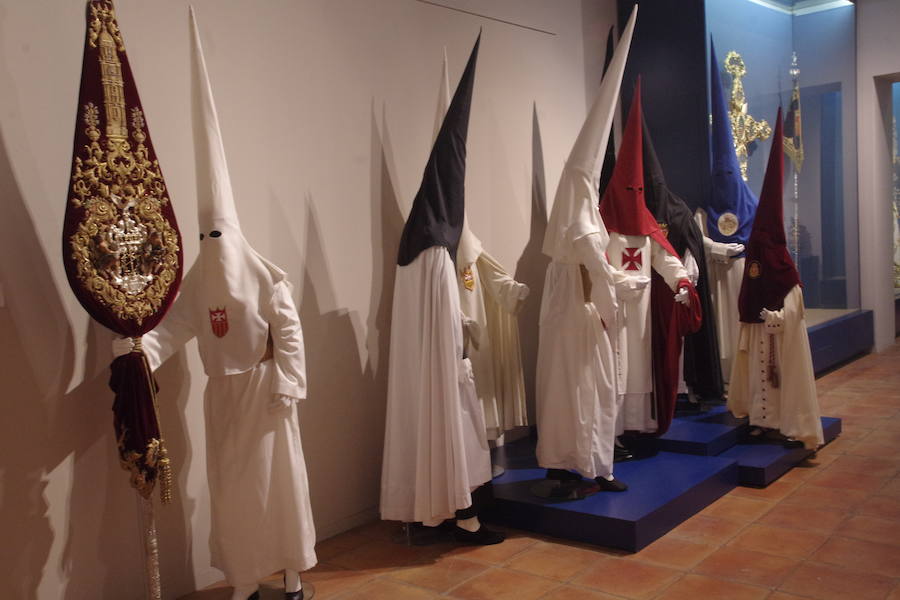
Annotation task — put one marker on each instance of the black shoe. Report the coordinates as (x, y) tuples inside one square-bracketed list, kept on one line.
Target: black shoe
[(482, 537), (610, 485), (562, 475), (621, 454), (254, 596), (792, 443)]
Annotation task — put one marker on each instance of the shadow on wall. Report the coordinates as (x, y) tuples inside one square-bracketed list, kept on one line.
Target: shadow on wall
[(69, 517), (387, 227), (532, 266), (339, 400)]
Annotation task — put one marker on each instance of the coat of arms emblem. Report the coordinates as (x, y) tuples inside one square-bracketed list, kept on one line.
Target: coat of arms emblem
[(218, 320)]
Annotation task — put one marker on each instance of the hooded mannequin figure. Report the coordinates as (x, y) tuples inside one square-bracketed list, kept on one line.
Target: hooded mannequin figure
[(780, 395), (725, 221), (576, 370), (435, 450), (239, 307), (701, 367), (490, 299), (649, 331)]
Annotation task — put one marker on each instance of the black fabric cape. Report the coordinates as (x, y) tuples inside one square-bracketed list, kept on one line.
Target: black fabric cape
[(438, 210), (702, 368)]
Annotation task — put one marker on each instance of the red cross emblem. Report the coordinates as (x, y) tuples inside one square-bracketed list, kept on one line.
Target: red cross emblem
[(631, 259), (218, 320)]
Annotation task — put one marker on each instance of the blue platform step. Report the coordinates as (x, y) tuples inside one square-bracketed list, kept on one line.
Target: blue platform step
[(705, 434), (665, 487), (664, 490), (761, 463)]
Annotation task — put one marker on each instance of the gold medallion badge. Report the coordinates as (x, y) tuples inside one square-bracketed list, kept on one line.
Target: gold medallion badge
[(664, 227), (728, 223), (468, 279), (754, 270)]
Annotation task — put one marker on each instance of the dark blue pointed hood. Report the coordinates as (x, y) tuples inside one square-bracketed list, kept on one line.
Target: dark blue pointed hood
[(732, 205), (438, 211)]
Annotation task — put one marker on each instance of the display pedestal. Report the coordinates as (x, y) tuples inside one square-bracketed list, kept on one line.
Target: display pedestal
[(700, 459)]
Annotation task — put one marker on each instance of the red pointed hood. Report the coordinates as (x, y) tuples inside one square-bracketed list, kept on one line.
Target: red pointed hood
[(623, 207), (769, 272)]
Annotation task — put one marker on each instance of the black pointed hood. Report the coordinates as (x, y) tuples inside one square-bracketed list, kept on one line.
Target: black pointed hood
[(438, 210)]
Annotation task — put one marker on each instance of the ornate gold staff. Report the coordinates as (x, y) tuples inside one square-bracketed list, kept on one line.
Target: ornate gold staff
[(744, 128)]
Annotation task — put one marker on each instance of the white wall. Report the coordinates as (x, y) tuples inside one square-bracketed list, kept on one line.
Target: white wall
[(878, 64), (327, 109)]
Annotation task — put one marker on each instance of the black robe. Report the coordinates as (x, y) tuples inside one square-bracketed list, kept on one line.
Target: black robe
[(702, 368)]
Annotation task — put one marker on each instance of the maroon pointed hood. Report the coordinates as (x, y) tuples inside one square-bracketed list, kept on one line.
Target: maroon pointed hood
[(623, 207), (769, 272)]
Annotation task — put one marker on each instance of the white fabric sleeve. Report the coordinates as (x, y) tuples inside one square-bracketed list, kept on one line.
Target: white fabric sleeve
[(774, 319), (508, 293), (691, 266), (173, 332), (668, 266), (287, 343)]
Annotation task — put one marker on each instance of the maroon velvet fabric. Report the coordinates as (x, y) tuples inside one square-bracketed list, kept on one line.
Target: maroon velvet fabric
[(670, 322), (769, 272), (134, 410)]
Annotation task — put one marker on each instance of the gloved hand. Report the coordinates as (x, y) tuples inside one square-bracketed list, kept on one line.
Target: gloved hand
[(630, 286), (122, 346), (683, 296), (722, 253), (773, 318), (280, 402)]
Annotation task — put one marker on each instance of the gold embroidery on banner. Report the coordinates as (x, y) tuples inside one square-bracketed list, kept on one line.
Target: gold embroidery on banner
[(156, 458), (126, 253)]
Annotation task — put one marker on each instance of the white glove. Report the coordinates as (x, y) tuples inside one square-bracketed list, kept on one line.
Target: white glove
[(683, 296), (122, 346), (629, 286), (723, 252), (280, 402), (773, 318)]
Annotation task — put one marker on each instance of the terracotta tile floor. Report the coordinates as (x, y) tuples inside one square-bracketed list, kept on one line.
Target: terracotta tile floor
[(830, 529)]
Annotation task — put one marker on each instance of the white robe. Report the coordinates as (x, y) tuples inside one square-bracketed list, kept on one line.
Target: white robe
[(792, 407), (491, 298), (259, 494), (724, 288), (637, 255), (435, 450), (576, 367)]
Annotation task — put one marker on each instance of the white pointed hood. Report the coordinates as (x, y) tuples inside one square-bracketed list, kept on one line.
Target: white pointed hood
[(575, 209), (230, 281), (469, 246)]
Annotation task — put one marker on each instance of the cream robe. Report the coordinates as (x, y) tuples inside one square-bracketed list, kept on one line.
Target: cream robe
[(576, 368), (724, 289), (793, 407), (261, 517), (491, 298), (633, 319), (435, 450)]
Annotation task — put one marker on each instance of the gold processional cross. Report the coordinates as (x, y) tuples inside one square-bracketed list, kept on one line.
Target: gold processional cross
[(744, 128)]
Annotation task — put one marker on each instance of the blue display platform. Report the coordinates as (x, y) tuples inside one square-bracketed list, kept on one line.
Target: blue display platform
[(664, 490), (838, 340), (761, 463), (705, 434), (665, 487)]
